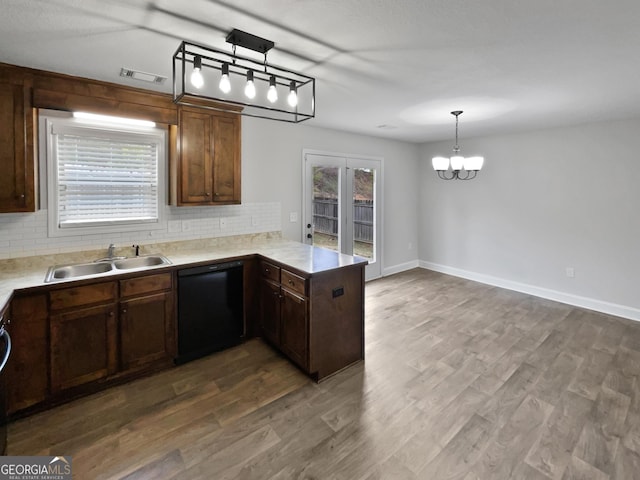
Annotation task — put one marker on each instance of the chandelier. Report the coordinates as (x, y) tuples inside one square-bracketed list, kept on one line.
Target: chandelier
[(219, 80), (457, 167)]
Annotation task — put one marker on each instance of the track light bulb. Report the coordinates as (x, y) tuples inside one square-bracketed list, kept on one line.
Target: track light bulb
[(272, 93), (250, 88), (292, 99), (225, 84), (197, 80)]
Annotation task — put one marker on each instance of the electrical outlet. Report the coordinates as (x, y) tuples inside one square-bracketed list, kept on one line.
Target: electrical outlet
[(254, 221), (223, 223), (186, 225), (293, 217), (570, 272)]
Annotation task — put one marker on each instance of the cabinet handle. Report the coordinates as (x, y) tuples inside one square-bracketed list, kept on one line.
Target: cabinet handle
[(217, 194), (266, 270), (124, 310), (290, 282), (206, 194), (111, 314)]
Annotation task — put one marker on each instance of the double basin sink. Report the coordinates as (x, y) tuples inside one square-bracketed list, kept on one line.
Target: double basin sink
[(97, 268)]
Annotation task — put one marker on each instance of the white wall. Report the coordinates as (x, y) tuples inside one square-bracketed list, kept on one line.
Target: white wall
[(272, 172), (546, 200)]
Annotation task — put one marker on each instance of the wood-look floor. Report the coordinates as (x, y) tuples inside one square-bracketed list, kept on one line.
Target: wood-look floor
[(461, 381)]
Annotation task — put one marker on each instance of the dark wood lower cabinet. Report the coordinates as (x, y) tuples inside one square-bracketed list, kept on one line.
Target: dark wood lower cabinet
[(83, 346), (75, 340), (144, 323), (28, 366), (270, 310), (294, 339), (317, 320)]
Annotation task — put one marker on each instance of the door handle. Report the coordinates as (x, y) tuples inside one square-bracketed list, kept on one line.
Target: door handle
[(309, 235), (5, 334)]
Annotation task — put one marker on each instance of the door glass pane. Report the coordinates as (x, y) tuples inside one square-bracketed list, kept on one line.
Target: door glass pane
[(364, 212), (326, 211)]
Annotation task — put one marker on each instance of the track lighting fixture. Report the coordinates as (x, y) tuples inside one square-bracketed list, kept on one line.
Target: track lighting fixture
[(247, 86)]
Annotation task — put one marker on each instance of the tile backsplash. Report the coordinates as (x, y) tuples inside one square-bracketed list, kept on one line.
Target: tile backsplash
[(25, 234)]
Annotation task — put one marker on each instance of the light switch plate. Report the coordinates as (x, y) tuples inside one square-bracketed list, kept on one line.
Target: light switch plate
[(223, 223), (293, 217)]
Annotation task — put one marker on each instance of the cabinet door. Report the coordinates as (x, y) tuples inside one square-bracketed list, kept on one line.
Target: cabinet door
[(145, 324), (196, 175), (83, 346), (294, 327), (28, 366), (270, 310), (17, 161), (226, 159)]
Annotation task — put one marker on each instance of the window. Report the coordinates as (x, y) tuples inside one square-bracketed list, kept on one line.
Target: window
[(103, 174)]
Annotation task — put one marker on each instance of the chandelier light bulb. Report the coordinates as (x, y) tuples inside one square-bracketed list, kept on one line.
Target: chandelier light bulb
[(473, 163), (197, 80), (272, 93), (440, 163), (292, 99), (456, 162), (225, 84), (250, 87)]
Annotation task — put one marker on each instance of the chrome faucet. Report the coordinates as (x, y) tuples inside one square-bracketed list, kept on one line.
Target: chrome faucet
[(110, 251)]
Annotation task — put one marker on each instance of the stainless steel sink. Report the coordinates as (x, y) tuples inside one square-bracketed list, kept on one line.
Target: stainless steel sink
[(79, 270), (95, 269), (140, 262)]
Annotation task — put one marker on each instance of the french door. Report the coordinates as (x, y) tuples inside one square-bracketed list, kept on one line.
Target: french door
[(342, 199)]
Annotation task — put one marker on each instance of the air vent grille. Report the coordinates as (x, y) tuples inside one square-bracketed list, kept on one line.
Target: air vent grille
[(142, 76)]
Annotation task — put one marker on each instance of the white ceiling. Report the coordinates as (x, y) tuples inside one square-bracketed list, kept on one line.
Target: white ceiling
[(511, 65)]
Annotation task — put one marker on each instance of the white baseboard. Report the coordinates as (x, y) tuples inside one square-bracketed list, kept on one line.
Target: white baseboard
[(403, 267), (568, 298)]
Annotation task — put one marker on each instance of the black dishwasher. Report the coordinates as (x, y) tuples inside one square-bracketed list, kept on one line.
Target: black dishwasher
[(210, 309)]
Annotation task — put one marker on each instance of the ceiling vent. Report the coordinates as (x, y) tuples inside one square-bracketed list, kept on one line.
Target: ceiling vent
[(143, 76)]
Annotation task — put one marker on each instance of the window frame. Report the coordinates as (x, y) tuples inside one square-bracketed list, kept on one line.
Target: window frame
[(58, 122)]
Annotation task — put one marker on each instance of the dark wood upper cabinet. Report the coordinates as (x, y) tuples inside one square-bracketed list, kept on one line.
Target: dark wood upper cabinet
[(17, 157), (206, 163)]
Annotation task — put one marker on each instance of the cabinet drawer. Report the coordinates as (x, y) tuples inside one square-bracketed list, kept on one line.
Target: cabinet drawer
[(269, 270), (146, 284), (294, 282), (85, 295)]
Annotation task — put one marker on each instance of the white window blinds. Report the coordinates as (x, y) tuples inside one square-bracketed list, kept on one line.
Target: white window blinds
[(105, 177)]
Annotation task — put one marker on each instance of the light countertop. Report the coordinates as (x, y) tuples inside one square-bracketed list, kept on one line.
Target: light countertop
[(30, 272)]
